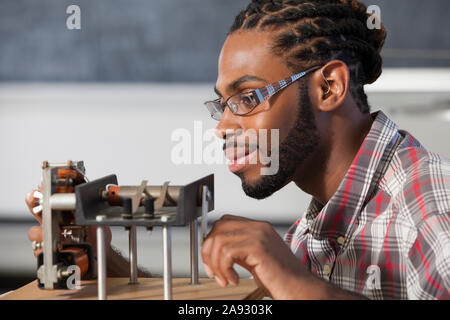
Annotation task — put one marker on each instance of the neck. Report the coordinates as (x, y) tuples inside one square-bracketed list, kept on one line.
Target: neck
[(342, 136)]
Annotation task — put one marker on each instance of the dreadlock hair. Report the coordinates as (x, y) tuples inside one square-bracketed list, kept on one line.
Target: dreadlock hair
[(308, 33)]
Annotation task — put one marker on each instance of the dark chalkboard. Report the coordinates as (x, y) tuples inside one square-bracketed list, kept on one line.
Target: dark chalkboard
[(172, 40)]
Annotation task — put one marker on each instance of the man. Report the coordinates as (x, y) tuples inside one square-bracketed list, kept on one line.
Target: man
[(378, 224)]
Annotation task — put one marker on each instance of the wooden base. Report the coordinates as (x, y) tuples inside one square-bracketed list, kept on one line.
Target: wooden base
[(146, 289)]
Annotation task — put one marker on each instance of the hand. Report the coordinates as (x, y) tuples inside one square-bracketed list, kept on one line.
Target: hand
[(257, 247), (35, 233)]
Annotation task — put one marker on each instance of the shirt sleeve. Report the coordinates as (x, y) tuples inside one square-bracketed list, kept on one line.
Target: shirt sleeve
[(428, 263)]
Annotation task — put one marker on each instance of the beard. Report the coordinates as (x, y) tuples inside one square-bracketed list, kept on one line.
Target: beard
[(301, 141)]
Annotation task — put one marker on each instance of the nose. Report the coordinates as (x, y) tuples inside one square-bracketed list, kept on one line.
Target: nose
[(229, 124)]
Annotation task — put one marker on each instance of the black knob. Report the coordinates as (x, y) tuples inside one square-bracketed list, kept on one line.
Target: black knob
[(127, 208), (149, 205)]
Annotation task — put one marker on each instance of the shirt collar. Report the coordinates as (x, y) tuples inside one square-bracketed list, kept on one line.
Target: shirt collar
[(338, 216)]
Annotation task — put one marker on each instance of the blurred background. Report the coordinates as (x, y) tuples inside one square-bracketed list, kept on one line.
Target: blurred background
[(112, 93)]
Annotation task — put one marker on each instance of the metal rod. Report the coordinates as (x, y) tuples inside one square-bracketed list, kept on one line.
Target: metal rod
[(167, 252), (63, 201), (194, 251), (133, 255), (101, 261), (49, 223)]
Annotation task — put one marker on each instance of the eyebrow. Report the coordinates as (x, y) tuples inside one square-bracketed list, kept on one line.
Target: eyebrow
[(233, 86)]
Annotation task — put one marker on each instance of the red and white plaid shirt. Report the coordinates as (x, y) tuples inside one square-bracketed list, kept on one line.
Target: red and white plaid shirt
[(385, 233)]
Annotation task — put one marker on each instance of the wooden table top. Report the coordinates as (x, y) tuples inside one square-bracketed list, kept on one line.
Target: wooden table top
[(146, 289)]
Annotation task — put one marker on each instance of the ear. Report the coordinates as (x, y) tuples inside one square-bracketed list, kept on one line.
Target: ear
[(329, 85)]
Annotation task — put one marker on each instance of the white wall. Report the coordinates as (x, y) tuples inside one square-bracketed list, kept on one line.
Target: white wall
[(126, 129), (122, 129)]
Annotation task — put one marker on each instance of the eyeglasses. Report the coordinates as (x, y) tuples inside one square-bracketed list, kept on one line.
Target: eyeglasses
[(245, 102)]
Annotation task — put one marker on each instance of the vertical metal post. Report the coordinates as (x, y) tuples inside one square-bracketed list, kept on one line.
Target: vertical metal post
[(50, 230), (167, 252), (101, 260), (194, 251), (132, 240)]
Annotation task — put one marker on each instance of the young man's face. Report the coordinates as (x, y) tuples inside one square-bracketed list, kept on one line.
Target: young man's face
[(247, 54)]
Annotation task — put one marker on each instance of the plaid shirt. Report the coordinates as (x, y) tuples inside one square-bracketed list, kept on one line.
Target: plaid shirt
[(385, 233)]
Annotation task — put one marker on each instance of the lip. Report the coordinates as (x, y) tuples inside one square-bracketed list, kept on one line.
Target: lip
[(238, 164), (234, 153)]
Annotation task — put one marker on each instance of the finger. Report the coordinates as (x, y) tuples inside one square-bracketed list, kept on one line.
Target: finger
[(211, 251), (206, 256), (240, 257), (226, 265), (219, 265), (35, 234), (208, 271), (37, 252), (31, 202), (231, 229), (206, 252), (236, 252), (214, 256)]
